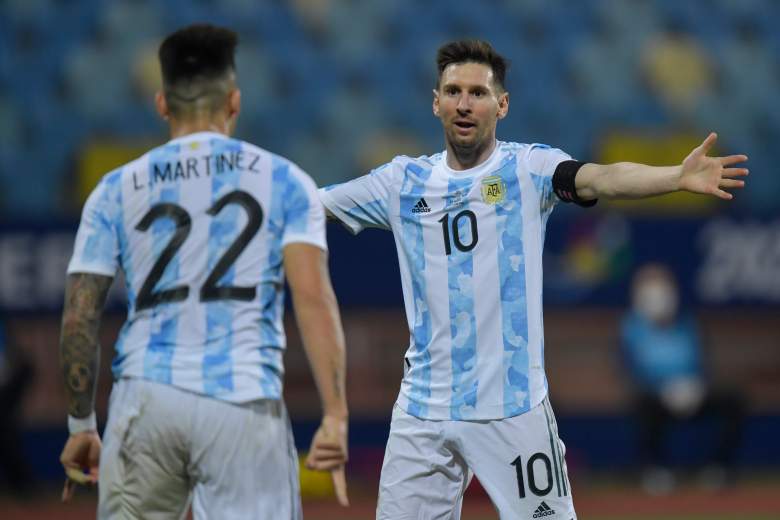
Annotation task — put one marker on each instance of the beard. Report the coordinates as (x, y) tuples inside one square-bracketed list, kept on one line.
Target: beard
[(474, 142)]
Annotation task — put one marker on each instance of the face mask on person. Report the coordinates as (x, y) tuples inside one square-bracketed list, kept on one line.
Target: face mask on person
[(656, 301)]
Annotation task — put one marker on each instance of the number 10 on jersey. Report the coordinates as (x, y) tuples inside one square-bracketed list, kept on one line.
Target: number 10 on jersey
[(456, 224)]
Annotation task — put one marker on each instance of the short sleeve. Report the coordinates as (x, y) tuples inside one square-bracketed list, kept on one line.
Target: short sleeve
[(304, 216), (542, 162), (362, 202), (96, 249)]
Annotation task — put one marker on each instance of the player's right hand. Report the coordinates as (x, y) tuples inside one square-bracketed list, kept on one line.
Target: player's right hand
[(328, 452), (80, 458)]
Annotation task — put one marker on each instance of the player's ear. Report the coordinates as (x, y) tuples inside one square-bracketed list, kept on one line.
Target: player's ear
[(161, 105), (233, 109), (503, 104), (436, 102), (234, 103)]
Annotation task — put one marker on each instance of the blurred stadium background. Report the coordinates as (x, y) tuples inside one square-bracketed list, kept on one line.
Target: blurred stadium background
[(340, 86)]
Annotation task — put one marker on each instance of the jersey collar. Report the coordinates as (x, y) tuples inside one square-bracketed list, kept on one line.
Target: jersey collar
[(206, 134), (482, 167)]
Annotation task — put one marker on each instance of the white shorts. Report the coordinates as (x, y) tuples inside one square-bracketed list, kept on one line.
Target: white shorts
[(519, 461), (164, 447)]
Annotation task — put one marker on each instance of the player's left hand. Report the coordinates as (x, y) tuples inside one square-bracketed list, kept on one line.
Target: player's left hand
[(80, 458), (328, 452), (711, 175)]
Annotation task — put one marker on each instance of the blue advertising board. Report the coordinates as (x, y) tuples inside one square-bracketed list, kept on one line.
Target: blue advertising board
[(589, 260)]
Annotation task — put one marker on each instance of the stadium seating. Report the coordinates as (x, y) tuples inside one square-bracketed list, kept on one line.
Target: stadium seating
[(317, 77)]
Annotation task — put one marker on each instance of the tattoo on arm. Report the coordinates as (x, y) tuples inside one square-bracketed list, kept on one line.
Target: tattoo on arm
[(85, 295)]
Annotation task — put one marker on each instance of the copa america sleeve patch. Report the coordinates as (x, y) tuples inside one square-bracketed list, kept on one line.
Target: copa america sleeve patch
[(563, 183)]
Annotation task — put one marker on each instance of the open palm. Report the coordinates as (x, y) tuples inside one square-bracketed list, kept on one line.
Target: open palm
[(711, 175)]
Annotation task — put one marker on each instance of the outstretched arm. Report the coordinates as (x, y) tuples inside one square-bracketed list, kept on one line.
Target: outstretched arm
[(318, 319), (362, 202), (698, 173), (85, 295)]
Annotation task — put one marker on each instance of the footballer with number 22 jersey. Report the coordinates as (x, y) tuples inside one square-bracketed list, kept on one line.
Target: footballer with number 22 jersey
[(201, 222), (205, 229)]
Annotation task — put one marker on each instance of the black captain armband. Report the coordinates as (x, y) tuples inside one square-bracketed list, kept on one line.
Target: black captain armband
[(563, 183)]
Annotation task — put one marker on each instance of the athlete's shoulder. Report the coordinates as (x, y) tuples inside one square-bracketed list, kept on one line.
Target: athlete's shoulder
[(510, 147), (545, 149), (150, 156), (406, 165), (397, 167), (286, 169), (538, 158), (422, 160), (279, 165), (111, 182), (251, 148), (526, 149), (105, 199)]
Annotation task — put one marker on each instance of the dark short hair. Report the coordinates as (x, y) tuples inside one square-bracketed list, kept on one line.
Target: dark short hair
[(199, 51), (472, 51)]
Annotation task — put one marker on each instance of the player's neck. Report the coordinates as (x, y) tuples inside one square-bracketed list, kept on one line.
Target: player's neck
[(465, 158), (184, 127)]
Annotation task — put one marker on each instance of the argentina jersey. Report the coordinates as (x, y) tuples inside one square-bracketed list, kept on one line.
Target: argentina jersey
[(198, 227), (470, 252)]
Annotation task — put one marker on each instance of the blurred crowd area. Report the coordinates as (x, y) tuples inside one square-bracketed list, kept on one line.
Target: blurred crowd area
[(341, 85)]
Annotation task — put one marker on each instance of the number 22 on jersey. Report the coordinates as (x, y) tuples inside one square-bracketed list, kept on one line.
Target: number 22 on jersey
[(210, 291)]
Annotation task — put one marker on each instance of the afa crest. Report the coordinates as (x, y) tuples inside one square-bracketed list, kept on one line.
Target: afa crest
[(493, 190)]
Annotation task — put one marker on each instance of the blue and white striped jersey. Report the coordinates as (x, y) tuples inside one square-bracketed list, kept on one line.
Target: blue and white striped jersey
[(470, 251), (198, 226)]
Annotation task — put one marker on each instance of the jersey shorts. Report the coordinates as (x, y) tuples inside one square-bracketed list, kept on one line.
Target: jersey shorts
[(518, 460), (166, 448)]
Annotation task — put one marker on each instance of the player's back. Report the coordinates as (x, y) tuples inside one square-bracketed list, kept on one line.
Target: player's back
[(198, 226)]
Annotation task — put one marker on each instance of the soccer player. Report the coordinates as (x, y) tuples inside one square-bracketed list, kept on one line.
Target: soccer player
[(204, 229), (469, 226)]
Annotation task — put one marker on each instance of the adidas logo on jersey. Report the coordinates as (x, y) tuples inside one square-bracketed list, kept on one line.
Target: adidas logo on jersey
[(543, 510), (421, 207)]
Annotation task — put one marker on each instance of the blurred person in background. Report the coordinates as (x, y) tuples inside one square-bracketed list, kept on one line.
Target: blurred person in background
[(663, 352), (16, 373), (204, 229)]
